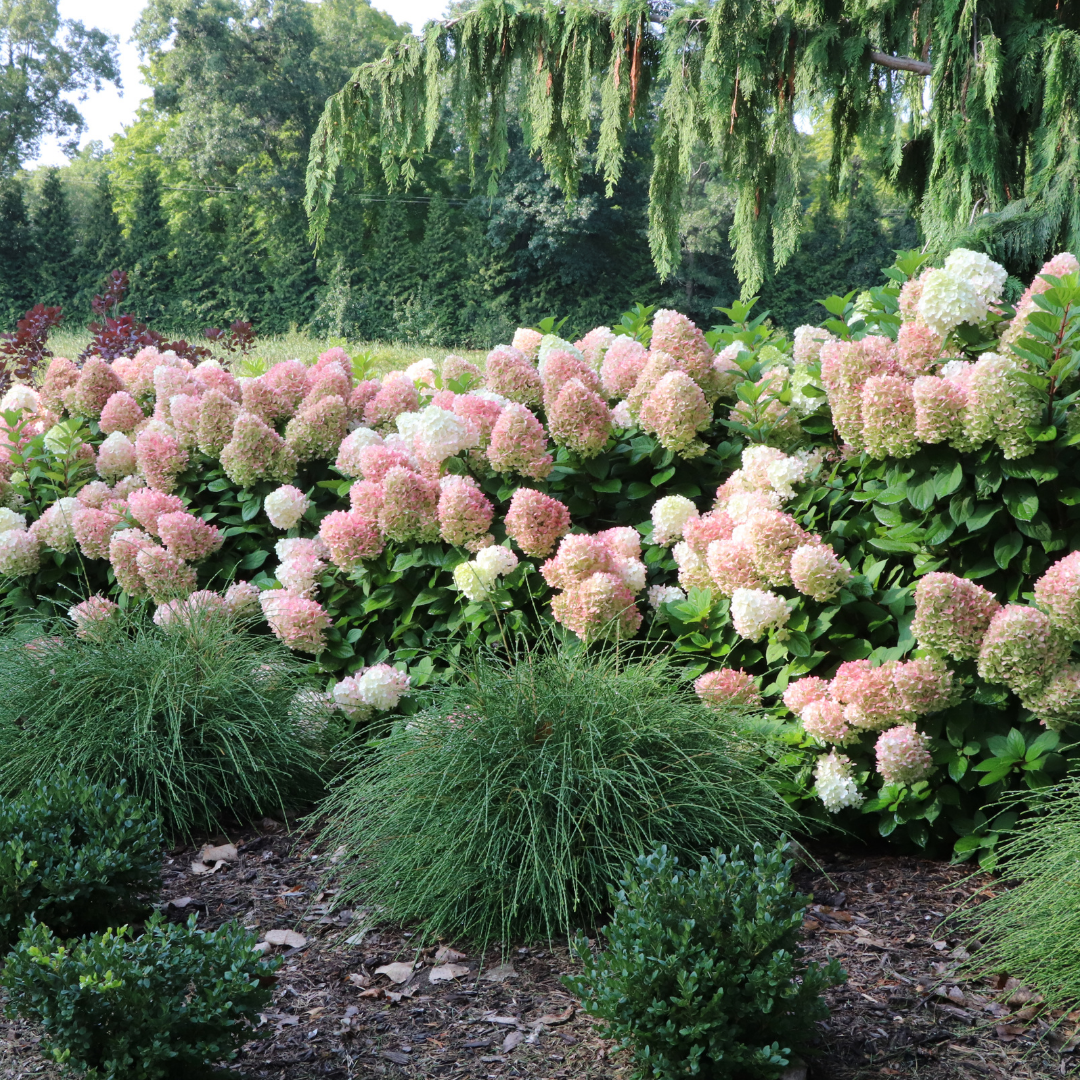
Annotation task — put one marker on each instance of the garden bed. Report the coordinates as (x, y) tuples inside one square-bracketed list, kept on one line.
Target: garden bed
[(906, 1010)]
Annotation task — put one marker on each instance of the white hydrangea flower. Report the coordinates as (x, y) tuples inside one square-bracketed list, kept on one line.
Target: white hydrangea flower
[(947, 301), (659, 595), (744, 503), (10, 520), (348, 697), (754, 612), (496, 561), (784, 474), (422, 372), (806, 344), (987, 276), (732, 351), (21, 398), (211, 363), (242, 599), (474, 582), (804, 404), (669, 517), (284, 547), (436, 433), (490, 395), (836, 786), (956, 369), (382, 686), (632, 572), (285, 506), (620, 415)]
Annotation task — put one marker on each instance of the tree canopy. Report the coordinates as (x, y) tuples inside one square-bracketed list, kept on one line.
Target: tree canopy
[(43, 60), (973, 104)]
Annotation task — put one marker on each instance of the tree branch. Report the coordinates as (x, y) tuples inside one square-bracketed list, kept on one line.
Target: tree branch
[(901, 63)]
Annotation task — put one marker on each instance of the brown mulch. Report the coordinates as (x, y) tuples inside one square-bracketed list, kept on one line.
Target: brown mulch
[(907, 1009)]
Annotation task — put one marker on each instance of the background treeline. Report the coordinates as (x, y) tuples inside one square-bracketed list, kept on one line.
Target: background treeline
[(201, 201)]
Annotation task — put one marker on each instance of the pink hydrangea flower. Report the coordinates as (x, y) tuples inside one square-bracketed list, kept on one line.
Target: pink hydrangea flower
[(316, 430), (161, 458), (327, 380), (20, 552), (918, 348), (54, 527), (94, 494), (97, 383), (675, 412), (302, 565), (772, 537), (579, 556), (903, 755), (60, 376), (217, 416), (395, 396), (579, 419), (211, 376), (1001, 405), (182, 613), (166, 576), (527, 341), (925, 685), (124, 548), (458, 369), (350, 537), (1022, 649), (559, 368), (1057, 702), (817, 572), (465, 512), (513, 375), (188, 537), (1057, 592), (888, 417), (731, 566), (184, 413), (823, 720), (728, 686), (594, 345), (285, 506), (480, 414), (362, 393), (801, 693), (1059, 266), (599, 607), (348, 461), (519, 444), (242, 599), (623, 364), (952, 614), (534, 521), (939, 408), (93, 529), (677, 335), (700, 532), (121, 413), (279, 392), (92, 616), (376, 460), (656, 367), (295, 620), (910, 295), (147, 506), (256, 452), (367, 498), (410, 506)]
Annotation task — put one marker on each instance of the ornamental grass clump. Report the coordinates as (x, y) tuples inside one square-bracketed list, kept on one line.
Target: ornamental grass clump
[(200, 716), (77, 856), (506, 806), (703, 974)]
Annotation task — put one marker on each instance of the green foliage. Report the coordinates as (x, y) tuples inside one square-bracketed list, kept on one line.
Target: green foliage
[(1001, 96), (17, 277), (147, 250), (44, 62), (702, 974), (76, 856), (507, 804), (161, 1005), (202, 720), (55, 237)]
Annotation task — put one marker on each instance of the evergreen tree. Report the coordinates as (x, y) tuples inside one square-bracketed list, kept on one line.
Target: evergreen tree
[(54, 236), (391, 276), (100, 248), (441, 264), (147, 252), (17, 277)]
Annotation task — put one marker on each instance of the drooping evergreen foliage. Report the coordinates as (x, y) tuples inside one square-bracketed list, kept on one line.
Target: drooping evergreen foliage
[(1001, 136)]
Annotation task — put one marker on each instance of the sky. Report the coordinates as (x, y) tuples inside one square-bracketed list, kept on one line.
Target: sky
[(107, 111)]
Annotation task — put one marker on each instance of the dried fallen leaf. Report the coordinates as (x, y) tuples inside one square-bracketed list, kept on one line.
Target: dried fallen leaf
[(358, 937), (511, 1021), (555, 1018), (396, 1058), (1009, 1032), (446, 972), (375, 991), (446, 955), (359, 980), (396, 973), (224, 853), (500, 973), (262, 947), (285, 937), (202, 868), (513, 1038), (182, 901)]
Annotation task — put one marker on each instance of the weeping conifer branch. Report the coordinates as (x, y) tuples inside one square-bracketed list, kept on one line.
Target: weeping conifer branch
[(729, 75)]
